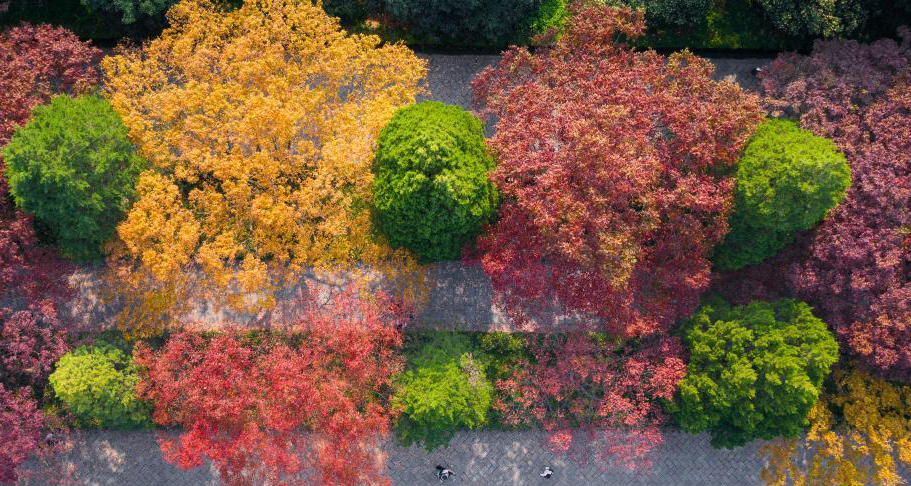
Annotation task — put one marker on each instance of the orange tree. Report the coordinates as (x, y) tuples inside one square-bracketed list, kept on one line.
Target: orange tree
[(869, 445), (260, 124)]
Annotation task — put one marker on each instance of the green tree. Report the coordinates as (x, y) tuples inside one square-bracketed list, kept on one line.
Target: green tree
[(787, 181), (97, 384), (431, 193), (443, 390), (73, 167), (755, 371), (130, 10), (818, 18)]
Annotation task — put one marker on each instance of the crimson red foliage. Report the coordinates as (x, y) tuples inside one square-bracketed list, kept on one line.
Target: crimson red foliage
[(597, 403), (245, 403), (855, 268), (20, 431), (40, 61), (614, 167)]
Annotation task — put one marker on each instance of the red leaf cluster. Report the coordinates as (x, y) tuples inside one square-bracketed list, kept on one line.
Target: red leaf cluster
[(271, 412), (21, 423), (614, 170), (597, 403)]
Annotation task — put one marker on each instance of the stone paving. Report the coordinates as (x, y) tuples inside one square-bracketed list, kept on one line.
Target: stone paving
[(489, 458)]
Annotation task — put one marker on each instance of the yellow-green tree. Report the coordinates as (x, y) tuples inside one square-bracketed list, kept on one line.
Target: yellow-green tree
[(864, 447), (260, 124)]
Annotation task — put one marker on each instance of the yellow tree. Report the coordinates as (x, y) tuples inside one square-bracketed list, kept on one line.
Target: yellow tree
[(864, 447), (261, 125)]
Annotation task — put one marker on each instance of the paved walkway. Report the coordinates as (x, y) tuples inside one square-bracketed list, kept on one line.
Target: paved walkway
[(125, 458)]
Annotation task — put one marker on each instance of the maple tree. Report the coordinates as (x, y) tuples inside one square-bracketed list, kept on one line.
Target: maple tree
[(614, 170), (260, 124), (21, 423), (860, 433), (598, 399), (244, 401), (854, 267)]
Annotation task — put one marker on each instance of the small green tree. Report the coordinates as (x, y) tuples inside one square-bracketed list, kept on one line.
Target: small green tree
[(787, 181), (129, 10), (755, 371), (73, 167), (431, 191), (670, 13), (818, 18), (443, 390), (97, 385)]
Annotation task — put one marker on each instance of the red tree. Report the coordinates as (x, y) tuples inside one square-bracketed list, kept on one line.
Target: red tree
[(614, 169), (244, 402), (20, 431), (578, 388)]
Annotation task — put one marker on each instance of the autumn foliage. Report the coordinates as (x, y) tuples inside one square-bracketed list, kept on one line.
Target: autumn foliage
[(260, 124), (598, 399), (614, 169), (265, 410)]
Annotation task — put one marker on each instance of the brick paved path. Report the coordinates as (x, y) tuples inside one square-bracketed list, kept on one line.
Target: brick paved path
[(132, 458)]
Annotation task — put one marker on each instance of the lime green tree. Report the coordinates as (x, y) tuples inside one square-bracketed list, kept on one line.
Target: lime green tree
[(787, 181), (755, 371), (97, 385), (74, 168), (430, 186), (443, 390)]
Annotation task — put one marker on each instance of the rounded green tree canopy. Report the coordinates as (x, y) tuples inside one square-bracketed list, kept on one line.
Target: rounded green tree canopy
[(788, 179), (755, 370), (73, 167), (431, 193), (97, 386)]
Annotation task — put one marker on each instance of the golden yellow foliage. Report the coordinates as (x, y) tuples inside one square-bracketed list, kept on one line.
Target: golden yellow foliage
[(261, 125), (862, 450)]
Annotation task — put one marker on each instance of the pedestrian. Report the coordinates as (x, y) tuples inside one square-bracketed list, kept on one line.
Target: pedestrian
[(444, 473), (548, 472), (756, 71)]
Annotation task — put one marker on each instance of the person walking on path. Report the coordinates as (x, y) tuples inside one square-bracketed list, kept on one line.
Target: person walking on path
[(443, 473), (548, 472)]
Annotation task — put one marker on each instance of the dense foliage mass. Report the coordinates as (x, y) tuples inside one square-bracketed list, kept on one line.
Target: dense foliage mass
[(671, 13), (610, 163), (444, 390), (20, 431), (130, 10), (38, 62), (818, 18), (98, 386), (352, 11), (462, 22), (243, 401), (598, 400), (431, 193), (260, 124), (73, 168), (856, 267), (754, 371), (860, 433), (787, 180)]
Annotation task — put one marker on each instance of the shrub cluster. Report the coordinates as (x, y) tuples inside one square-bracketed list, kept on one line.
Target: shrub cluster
[(787, 181), (431, 193), (466, 22)]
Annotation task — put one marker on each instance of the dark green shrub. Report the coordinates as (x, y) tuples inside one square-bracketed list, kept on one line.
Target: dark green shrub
[(671, 13), (96, 384), (130, 10), (443, 390), (465, 22), (818, 18), (352, 11), (754, 372), (787, 180), (73, 167), (431, 192)]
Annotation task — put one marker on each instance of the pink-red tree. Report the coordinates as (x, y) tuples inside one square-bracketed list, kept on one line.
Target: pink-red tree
[(596, 403), (614, 167), (855, 268), (20, 431), (267, 411)]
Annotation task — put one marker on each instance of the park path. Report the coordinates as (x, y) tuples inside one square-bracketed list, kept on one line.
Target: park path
[(460, 298), (485, 458)]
